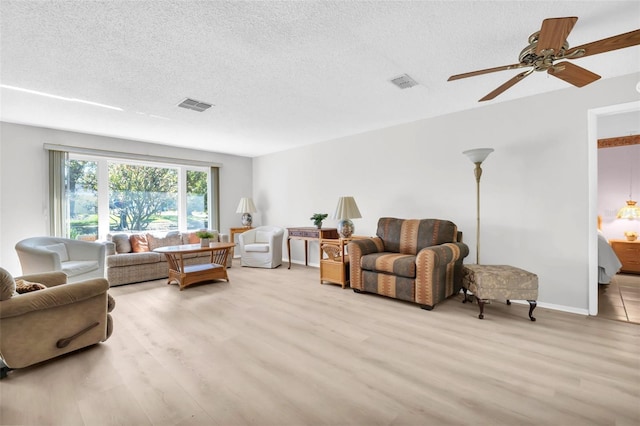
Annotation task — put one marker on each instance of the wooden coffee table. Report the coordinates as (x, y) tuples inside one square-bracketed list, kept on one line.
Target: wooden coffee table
[(186, 275)]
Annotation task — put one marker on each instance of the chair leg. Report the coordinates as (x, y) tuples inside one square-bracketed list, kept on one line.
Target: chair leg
[(532, 306), (426, 307), (481, 306)]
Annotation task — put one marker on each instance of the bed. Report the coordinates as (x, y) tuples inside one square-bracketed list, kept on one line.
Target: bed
[(608, 262)]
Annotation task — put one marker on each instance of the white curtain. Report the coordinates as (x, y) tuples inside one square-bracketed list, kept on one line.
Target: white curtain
[(214, 198), (58, 193)]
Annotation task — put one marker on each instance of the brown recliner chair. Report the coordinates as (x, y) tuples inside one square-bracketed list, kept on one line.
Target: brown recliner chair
[(43, 324)]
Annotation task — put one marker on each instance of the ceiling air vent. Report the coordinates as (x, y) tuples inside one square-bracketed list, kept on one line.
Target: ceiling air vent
[(194, 105), (404, 81)]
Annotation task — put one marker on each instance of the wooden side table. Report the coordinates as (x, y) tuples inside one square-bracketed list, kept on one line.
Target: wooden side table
[(629, 254), (232, 233), (334, 260)]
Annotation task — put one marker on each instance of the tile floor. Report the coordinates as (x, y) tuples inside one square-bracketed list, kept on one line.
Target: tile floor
[(620, 300)]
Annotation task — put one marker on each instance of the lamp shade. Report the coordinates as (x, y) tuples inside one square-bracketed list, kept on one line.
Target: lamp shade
[(630, 211), (347, 209), (478, 155), (246, 206)]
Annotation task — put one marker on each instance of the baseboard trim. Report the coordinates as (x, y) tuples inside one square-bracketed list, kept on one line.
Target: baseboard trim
[(553, 306)]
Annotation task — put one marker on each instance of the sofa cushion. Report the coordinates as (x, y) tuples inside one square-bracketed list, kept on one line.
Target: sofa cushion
[(403, 265), (139, 243), (132, 259), (172, 239), (260, 248), (7, 285), (123, 245), (59, 248), (77, 267)]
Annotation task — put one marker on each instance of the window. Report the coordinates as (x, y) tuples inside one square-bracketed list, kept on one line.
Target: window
[(108, 195)]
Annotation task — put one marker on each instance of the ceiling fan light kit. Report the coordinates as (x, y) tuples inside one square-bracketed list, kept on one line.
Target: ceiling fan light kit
[(549, 45)]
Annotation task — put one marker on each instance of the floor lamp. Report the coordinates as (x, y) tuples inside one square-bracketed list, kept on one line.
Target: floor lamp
[(477, 156)]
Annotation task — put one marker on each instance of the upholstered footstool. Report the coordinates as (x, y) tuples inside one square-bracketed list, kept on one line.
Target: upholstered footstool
[(488, 282)]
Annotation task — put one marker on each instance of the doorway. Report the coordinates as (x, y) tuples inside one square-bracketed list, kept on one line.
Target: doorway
[(596, 118)]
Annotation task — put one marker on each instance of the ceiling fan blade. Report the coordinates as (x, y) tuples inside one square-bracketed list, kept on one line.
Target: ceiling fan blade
[(573, 74), (554, 33), (486, 71), (620, 41), (506, 85)]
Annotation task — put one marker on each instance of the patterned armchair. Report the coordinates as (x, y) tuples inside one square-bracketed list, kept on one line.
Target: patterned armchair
[(418, 260)]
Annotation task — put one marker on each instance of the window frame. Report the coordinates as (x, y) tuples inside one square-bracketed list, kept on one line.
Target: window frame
[(58, 179)]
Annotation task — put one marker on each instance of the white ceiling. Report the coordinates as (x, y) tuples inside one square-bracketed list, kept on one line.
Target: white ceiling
[(280, 73)]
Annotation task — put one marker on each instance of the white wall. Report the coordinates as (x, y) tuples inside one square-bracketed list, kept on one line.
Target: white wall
[(535, 195), (24, 180)]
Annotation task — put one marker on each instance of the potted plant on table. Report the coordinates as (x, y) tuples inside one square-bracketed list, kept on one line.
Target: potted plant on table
[(205, 238), (317, 219)]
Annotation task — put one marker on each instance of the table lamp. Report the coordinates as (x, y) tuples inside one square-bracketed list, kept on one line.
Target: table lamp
[(246, 207), (346, 210)]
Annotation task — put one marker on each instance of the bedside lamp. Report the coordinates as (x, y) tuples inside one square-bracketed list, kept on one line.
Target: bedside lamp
[(346, 210), (246, 207)]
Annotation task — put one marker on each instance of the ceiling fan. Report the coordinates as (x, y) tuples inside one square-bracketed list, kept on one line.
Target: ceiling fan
[(549, 45)]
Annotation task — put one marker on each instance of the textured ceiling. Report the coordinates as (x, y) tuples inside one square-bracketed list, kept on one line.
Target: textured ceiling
[(280, 74)]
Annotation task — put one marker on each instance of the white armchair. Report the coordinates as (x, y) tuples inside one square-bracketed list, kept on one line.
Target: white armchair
[(261, 247), (80, 260)]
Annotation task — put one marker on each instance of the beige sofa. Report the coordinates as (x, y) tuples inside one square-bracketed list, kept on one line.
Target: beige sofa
[(126, 266)]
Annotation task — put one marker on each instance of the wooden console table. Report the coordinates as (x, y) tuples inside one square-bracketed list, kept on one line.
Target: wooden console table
[(309, 233), (186, 275)]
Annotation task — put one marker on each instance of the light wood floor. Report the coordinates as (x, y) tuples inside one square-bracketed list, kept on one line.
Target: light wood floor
[(620, 300), (274, 347)]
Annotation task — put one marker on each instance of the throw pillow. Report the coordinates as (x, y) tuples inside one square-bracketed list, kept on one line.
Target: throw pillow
[(24, 286), (7, 285), (172, 239), (59, 248), (123, 245), (139, 243)]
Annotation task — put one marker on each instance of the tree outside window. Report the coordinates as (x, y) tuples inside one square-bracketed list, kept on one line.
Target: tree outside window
[(141, 198)]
